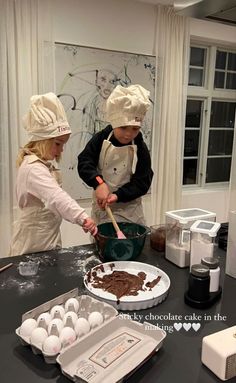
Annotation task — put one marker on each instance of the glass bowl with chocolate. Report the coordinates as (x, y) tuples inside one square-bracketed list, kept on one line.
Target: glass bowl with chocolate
[(158, 237)]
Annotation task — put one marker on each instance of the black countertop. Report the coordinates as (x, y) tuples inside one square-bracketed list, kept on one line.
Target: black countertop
[(179, 359)]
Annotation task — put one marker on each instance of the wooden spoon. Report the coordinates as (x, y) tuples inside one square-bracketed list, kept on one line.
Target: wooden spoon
[(120, 234)]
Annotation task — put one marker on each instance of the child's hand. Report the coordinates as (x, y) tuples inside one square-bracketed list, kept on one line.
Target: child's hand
[(111, 198), (90, 225), (102, 192)]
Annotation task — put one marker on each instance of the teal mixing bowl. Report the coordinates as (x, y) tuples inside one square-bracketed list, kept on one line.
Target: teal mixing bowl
[(110, 248)]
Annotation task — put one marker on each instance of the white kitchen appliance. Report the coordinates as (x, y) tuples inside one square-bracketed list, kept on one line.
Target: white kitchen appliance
[(219, 353)]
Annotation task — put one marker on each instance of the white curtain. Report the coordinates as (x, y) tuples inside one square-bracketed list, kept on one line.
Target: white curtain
[(23, 27), (171, 50)]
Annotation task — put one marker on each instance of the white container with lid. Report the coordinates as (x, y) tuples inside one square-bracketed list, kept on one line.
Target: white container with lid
[(213, 264), (202, 235), (178, 223)]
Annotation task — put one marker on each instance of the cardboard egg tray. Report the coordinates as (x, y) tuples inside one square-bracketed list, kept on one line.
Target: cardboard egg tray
[(109, 352), (87, 304)]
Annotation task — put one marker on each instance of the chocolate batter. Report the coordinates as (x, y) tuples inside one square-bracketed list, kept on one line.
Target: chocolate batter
[(153, 283), (122, 283)]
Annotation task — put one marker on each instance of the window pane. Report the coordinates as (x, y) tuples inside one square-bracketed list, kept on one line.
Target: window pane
[(193, 114), (197, 56), (218, 169), (220, 60), (195, 77), (214, 127), (232, 61), (220, 142), (190, 172), (231, 81), (219, 79), (222, 114), (191, 141)]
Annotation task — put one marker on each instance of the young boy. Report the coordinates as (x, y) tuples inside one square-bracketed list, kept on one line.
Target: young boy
[(116, 161), (42, 202)]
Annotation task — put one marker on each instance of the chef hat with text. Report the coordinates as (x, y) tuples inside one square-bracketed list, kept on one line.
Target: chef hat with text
[(46, 118), (127, 106)]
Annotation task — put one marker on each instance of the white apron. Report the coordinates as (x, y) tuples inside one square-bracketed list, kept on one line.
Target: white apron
[(37, 228), (117, 164)]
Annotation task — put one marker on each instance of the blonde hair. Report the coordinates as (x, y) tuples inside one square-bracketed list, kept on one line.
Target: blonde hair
[(41, 149)]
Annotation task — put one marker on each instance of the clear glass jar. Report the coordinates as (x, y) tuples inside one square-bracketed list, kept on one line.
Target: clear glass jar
[(158, 237)]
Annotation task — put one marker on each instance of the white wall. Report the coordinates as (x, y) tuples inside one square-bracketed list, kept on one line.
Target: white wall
[(121, 25), (125, 25)]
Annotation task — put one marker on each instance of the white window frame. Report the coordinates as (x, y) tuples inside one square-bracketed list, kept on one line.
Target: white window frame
[(207, 94)]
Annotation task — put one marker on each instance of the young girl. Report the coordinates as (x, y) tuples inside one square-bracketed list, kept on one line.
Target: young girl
[(41, 200), (116, 161)]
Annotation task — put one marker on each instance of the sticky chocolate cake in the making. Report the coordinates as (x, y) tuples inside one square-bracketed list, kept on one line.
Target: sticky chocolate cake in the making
[(121, 283)]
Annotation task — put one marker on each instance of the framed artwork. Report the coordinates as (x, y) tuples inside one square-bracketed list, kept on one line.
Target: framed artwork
[(85, 77)]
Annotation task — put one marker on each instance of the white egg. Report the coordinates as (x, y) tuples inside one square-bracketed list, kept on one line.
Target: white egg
[(52, 345), (38, 336), (69, 317), (28, 326), (67, 336), (57, 312), (72, 305), (95, 319), (82, 327), (55, 322), (44, 317)]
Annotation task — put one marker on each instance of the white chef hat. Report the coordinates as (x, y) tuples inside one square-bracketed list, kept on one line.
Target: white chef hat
[(46, 118), (127, 106)]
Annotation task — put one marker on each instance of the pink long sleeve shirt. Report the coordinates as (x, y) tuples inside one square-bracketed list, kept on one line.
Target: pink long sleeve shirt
[(36, 185)]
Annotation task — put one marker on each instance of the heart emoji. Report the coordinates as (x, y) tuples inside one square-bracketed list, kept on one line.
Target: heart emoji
[(187, 326), (178, 326), (196, 326)]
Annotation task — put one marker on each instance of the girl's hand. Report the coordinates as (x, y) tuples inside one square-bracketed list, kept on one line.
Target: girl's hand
[(90, 225)]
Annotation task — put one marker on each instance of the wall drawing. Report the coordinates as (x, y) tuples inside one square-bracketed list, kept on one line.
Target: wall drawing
[(85, 78)]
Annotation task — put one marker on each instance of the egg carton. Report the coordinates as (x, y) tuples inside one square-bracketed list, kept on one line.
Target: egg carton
[(112, 350), (98, 312), (113, 353)]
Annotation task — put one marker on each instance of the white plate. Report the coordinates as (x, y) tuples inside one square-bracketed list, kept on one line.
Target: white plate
[(144, 299)]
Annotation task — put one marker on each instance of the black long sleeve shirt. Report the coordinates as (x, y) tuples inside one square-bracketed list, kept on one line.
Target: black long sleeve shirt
[(140, 181)]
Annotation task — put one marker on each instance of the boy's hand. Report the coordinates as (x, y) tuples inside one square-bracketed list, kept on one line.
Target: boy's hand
[(102, 192), (112, 198), (90, 225)]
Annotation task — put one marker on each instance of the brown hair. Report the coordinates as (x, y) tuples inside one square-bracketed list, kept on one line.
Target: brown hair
[(41, 149)]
